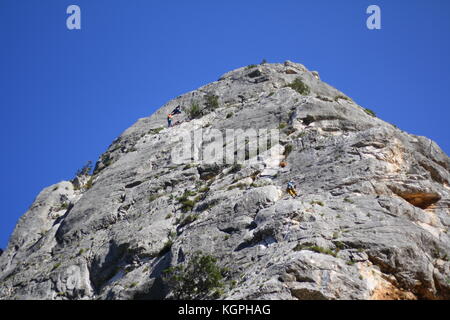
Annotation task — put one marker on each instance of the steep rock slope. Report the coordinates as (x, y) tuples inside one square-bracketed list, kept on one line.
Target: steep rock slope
[(371, 220)]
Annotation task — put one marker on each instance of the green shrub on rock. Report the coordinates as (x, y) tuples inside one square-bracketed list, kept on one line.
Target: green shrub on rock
[(199, 278), (194, 111), (299, 86)]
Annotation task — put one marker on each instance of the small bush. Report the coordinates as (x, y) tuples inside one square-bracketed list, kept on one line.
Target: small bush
[(188, 220), (189, 193), (323, 98), (251, 66), (211, 101), (299, 86), (172, 234), (89, 183), (320, 203), (155, 131), (370, 112), (85, 170), (63, 206), (194, 111), (199, 278), (317, 249), (342, 97), (282, 125), (107, 160), (187, 205), (56, 266), (340, 245), (287, 150)]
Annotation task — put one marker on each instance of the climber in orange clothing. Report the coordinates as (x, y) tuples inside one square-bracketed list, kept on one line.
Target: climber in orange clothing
[(169, 120)]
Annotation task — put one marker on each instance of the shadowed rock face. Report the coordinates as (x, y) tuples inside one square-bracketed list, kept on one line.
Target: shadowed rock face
[(370, 222)]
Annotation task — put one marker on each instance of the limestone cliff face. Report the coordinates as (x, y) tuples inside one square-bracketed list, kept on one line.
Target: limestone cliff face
[(371, 220)]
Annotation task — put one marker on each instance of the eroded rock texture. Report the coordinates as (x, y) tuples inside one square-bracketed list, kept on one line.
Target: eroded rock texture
[(371, 220)]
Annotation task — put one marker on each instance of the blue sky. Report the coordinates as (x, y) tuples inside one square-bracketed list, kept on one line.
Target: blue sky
[(65, 95)]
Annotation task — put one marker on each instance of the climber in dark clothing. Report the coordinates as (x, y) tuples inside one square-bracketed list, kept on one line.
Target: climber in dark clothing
[(177, 110)]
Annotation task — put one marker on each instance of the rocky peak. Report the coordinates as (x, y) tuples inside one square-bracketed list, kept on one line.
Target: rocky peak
[(370, 221)]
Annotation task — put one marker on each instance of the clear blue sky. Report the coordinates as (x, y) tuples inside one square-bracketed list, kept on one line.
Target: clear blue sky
[(65, 95)]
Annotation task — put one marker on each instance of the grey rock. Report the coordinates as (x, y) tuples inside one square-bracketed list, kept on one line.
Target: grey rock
[(371, 220)]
